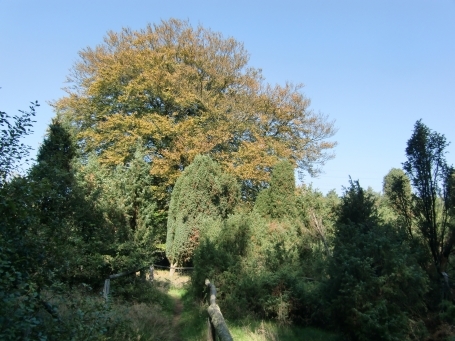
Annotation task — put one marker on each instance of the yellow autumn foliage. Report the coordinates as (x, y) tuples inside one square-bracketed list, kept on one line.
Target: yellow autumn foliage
[(185, 91)]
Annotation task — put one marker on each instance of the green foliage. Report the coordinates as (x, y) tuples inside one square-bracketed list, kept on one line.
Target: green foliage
[(54, 173), (376, 287), (12, 151), (187, 91), (397, 189), (20, 250), (80, 315), (318, 213), (132, 223), (42, 240), (53, 180), (268, 263), (430, 176), (256, 267), (278, 201), (69, 227), (357, 206), (447, 312), (255, 330), (202, 191), (18, 296)]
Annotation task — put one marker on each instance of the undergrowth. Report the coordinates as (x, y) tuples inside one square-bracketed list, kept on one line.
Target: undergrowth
[(164, 310)]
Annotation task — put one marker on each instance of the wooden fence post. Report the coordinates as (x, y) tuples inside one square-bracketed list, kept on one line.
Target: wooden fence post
[(216, 319), (151, 273), (107, 286)]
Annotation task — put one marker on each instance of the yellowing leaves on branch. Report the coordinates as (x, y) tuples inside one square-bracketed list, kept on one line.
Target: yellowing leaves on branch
[(185, 91)]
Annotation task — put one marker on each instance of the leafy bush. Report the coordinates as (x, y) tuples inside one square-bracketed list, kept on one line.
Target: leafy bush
[(376, 287), (256, 269)]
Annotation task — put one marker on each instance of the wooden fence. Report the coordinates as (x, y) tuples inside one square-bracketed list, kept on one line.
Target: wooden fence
[(216, 326), (107, 281)]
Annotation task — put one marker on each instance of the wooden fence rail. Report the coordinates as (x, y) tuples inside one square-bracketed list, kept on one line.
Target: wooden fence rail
[(107, 281), (216, 326), (215, 322)]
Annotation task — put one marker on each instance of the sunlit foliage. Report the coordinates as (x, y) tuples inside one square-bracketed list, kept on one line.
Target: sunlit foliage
[(202, 192), (186, 91)]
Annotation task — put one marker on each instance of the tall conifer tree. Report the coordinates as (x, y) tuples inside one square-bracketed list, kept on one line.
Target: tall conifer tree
[(202, 191)]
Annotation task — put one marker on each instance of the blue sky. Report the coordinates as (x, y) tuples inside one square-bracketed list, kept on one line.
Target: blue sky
[(373, 66)]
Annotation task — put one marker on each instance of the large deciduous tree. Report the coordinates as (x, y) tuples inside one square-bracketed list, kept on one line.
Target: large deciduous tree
[(186, 91), (430, 176)]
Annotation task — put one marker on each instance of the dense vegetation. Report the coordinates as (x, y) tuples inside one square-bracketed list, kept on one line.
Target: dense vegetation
[(169, 148)]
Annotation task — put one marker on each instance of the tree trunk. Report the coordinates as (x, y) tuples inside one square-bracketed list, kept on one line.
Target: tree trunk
[(172, 270)]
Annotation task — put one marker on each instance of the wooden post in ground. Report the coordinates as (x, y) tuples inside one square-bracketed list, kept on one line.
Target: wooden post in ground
[(172, 269), (151, 273), (216, 318), (107, 286)]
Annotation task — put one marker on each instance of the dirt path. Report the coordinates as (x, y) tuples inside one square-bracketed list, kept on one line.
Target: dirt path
[(178, 307), (168, 286)]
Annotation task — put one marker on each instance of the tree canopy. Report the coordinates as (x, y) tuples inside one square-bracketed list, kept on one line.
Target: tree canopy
[(278, 201), (186, 91)]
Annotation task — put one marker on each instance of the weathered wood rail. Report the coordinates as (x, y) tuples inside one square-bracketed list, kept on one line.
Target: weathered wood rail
[(107, 281), (216, 326)]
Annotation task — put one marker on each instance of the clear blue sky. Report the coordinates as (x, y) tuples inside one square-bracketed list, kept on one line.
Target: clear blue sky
[(373, 66)]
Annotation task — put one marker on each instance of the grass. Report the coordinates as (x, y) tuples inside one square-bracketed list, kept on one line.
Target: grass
[(193, 320), (254, 330), (166, 310)]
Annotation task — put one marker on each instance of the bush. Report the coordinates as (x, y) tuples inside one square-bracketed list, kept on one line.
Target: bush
[(376, 287), (256, 269)]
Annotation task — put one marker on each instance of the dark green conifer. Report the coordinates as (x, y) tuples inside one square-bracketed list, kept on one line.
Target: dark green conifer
[(53, 172), (375, 283), (203, 191)]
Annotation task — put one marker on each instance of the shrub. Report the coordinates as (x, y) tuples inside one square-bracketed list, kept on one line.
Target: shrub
[(376, 286)]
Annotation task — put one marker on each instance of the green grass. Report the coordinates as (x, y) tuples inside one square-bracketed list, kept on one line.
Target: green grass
[(193, 319), (254, 330), (152, 317), (193, 323)]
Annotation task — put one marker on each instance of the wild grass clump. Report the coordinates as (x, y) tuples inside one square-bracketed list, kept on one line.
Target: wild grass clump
[(143, 322), (83, 314), (256, 330)]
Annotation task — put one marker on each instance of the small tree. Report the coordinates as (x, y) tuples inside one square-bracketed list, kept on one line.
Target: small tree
[(430, 176), (202, 191), (133, 227), (374, 283), (397, 189), (53, 170), (139, 224)]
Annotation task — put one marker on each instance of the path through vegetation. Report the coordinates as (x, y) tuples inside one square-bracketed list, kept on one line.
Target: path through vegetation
[(178, 307), (174, 287)]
